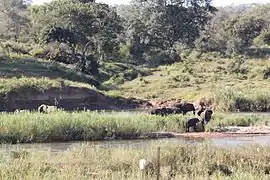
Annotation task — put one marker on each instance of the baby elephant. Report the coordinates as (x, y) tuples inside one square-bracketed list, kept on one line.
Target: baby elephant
[(193, 123)]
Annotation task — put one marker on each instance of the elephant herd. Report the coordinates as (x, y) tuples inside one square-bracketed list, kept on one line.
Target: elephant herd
[(176, 109), (204, 114), (43, 108)]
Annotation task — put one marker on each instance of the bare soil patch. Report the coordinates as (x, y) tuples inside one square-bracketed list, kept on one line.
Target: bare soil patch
[(68, 98)]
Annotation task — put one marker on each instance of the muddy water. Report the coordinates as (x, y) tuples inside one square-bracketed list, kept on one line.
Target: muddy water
[(217, 141)]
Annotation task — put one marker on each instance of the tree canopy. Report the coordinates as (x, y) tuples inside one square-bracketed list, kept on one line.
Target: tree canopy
[(144, 32)]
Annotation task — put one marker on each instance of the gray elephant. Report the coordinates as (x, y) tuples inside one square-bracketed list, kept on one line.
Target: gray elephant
[(165, 111), (46, 108), (205, 115), (193, 123), (186, 107)]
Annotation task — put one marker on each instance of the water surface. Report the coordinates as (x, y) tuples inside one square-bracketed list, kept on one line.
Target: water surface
[(216, 141)]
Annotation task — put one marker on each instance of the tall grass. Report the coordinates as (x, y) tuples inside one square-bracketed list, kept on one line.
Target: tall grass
[(230, 99), (184, 161), (65, 126)]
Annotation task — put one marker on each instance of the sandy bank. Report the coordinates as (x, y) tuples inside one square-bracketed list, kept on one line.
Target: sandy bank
[(224, 132)]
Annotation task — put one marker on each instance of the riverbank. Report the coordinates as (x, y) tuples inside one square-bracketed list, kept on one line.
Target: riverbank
[(184, 161), (64, 126), (230, 131)]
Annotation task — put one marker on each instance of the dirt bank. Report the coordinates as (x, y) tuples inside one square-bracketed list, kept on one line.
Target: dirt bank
[(77, 98), (68, 98)]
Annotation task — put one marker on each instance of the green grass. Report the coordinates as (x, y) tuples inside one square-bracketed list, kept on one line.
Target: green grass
[(13, 67), (115, 73), (33, 84), (186, 161), (248, 99), (64, 126), (28, 76), (205, 79)]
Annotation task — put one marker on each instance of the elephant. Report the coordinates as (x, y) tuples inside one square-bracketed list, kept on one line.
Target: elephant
[(165, 111), (46, 108), (205, 115), (193, 123), (21, 111), (186, 107), (200, 111)]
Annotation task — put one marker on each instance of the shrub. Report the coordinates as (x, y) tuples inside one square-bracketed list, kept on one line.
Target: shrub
[(266, 73)]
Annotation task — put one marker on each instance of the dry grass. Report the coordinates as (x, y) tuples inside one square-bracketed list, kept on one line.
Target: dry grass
[(185, 161)]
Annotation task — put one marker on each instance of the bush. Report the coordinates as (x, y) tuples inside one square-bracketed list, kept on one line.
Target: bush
[(236, 66), (266, 73), (16, 47), (163, 58), (263, 39)]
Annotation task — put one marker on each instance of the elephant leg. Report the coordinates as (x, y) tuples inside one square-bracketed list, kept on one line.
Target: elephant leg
[(187, 127), (203, 128), (195, 128)]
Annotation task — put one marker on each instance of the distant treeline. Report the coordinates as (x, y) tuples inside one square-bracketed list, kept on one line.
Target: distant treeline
[(150, 32)]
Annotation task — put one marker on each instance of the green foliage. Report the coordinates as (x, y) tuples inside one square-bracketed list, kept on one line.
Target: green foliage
[(9, 47), (158, 27), (91, 29), (205, 79), (233, 31), (14, 19), (229, 99), (262, 39), (58, 34), (117, 73)]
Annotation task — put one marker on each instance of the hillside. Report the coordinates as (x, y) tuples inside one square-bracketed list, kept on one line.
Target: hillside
[(228, 84), (28, 83), (94, 55)]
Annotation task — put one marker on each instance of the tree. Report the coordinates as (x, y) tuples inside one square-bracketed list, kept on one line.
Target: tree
[(234, 29), (91, 28), (157, 25), (13, 14)]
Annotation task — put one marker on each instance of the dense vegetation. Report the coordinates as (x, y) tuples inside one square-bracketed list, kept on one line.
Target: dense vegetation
[(64, 126), (179, 161), (106, 46)]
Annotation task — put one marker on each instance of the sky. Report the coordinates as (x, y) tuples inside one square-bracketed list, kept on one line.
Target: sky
[(215, 2)]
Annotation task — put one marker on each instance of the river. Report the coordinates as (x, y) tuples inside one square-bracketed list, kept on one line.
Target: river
[(217, 141)]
